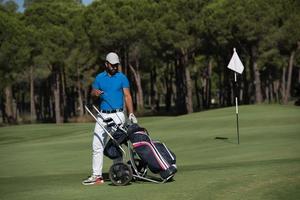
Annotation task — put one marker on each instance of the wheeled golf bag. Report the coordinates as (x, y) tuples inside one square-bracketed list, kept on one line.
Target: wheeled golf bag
[(158, 157)]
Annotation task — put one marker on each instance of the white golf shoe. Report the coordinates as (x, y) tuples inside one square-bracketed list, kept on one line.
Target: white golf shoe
[(93, 180)]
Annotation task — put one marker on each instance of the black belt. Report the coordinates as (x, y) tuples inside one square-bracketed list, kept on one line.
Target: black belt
[(111, 111)]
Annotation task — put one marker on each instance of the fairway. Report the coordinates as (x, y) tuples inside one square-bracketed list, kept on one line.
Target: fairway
[(49, 161)]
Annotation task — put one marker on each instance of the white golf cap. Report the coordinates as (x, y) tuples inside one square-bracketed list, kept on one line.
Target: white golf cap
[(112, 58)]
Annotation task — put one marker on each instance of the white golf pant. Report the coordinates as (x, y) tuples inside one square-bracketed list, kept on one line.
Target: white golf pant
[(101, 138)]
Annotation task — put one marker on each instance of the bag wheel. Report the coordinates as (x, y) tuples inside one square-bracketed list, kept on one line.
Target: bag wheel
[(140, 165), (120, 174)]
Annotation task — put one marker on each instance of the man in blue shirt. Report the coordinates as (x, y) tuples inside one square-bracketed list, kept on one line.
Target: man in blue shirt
[(112, 87)]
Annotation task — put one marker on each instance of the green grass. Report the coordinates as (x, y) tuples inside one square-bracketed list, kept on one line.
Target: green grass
[(49, 161)]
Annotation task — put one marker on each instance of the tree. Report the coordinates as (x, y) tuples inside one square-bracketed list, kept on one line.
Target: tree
[(178, 37), (216, 44), (50, 18), (174, 52), (289, 42), (79, 61), (9, 6), (13, 55)]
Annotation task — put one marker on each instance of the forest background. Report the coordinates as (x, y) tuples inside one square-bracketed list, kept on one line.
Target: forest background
[(174, 52)]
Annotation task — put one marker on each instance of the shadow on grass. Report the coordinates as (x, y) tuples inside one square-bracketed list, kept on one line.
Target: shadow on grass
[(226, 140), (220, 166)]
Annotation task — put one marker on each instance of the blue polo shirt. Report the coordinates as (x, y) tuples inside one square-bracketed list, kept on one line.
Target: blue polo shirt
[(112, 86)]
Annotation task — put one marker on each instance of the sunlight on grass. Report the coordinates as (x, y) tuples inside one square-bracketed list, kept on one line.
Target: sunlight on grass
[(48, 161)]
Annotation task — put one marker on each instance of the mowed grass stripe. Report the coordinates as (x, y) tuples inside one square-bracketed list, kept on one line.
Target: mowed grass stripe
[(48, 161)]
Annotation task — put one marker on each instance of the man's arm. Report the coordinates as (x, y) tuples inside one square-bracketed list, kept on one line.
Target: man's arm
[(128, 100), (96, 93)]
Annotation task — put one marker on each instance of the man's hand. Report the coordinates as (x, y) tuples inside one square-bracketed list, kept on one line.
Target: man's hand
[(96, 92), (132, 118)]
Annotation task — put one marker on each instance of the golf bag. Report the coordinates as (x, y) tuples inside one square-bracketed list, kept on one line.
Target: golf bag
[(111, 149), (143, 153), (158, 157)]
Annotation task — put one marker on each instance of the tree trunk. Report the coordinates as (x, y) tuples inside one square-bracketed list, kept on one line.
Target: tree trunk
[(137, 78), (49, 102), (246, 94), (208, 89), (80, 100), (64, 95), (9, 104), (298, 75), (271, 91), (180, 86), (257, 82), (258, 95), (197, 91), (16, 110), (289, 79), (126, 61), (86, 97), (169, 90), (2, 107), (228, 89), (154, 93), (56, 94), (189, 96), (184, 84), (277, 90), (221, 88), (267, 92), (32, 98), (283, 81), (41, 108)]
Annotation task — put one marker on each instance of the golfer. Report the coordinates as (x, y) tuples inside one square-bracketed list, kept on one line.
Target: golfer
[(112, 87)]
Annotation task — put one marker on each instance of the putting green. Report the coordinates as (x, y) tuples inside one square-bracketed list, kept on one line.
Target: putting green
[(48, 161)]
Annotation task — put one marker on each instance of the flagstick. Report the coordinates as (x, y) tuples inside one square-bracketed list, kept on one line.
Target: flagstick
[(236, 108), (237, 66)]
